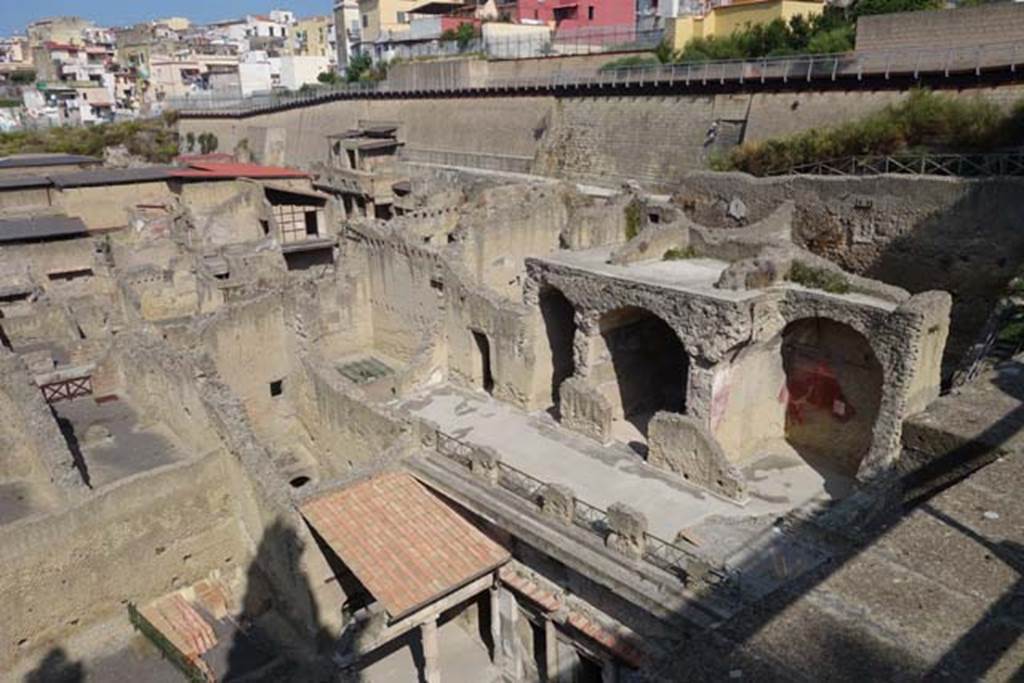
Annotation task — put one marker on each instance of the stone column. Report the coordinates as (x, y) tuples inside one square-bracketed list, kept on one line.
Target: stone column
[(495, 625), (551, 670), (586, 329), (431, 652), (511, 662), (700, 390), (609, 671)]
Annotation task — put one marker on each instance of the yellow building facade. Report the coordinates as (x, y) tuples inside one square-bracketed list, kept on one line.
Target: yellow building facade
[(312, 37), (723, 20), (378, 16)]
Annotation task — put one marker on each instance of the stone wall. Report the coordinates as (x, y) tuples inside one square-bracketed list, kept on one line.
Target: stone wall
[(601, 139), (134, 541), (104, 207), (962, 27), (919, 233)]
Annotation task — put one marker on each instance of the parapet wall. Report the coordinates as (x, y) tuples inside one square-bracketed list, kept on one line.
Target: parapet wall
[(942, 29)]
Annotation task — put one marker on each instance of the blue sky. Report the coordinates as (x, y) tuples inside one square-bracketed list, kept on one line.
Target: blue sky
[(16, 14)]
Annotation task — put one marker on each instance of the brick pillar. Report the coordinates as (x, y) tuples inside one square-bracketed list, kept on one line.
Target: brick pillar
[(431, 652)]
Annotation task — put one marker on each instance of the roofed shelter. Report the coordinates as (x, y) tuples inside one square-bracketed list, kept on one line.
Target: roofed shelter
[(44, 164), (410, 555)]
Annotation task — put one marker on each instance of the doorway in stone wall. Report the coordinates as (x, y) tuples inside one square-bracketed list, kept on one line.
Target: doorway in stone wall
[(560, 328), (642, 369), (482, 361)]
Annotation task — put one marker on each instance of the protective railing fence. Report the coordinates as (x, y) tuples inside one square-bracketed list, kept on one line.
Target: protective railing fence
[(507, 163), (539, 43), (669, 557), (1008, 163), (942, 61)]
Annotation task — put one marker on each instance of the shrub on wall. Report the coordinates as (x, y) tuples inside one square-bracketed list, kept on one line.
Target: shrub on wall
[(152, 139), (924, 122)]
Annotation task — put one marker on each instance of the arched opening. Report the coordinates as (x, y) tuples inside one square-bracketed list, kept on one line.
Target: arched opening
[(560, 327), (643, 370), (833, 393)]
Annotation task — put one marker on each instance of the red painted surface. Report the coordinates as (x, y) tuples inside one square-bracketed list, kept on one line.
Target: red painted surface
[(568, 15), (811, 385), (452, 23), (208, 170)]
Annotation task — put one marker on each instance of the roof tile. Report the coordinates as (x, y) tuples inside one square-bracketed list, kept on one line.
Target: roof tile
[(403, 543)]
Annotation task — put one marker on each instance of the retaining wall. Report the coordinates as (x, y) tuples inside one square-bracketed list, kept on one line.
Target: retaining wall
[(654, 139)]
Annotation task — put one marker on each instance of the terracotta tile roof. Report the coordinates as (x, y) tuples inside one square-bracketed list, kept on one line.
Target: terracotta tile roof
[(618, 643), (403, 543), (236, 170), (185, 619), (547, 600)]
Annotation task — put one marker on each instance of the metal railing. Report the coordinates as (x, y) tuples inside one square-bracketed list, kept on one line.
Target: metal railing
[(541, 43), (492, 162), (519, 482), (676, 560), (804, 68), (590, 518), (453, 448), (959, 165)]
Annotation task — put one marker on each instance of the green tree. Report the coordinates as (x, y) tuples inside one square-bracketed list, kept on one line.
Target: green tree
[(357, 66), (329, 77), (865, 8), (463, 35)]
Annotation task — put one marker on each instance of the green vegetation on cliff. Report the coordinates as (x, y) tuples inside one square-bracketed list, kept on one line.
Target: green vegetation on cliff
[(154, 140), (831, 31), (921, 122)]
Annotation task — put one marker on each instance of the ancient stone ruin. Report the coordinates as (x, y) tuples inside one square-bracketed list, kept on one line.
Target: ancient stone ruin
[(258, 422)]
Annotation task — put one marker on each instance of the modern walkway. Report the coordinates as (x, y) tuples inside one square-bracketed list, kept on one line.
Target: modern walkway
[(601, 475)]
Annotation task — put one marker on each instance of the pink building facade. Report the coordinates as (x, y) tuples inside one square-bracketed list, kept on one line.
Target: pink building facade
[(573, 14)]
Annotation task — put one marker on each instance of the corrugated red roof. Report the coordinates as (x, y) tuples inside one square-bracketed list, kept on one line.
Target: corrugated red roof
[(236, 170), (406, 546)]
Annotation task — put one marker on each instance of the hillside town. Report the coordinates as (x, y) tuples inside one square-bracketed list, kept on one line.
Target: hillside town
[(67, 70)]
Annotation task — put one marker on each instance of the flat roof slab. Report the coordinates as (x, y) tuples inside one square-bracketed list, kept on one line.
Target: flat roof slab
[(694, 276)]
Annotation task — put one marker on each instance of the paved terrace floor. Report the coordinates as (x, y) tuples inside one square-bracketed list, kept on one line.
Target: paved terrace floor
[(693, 276), (600, 475)]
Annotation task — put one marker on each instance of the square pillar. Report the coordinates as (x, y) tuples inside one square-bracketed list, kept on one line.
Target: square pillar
[(431, 652), (511, 661), (495, 626), (609, 671), (551, 669)]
